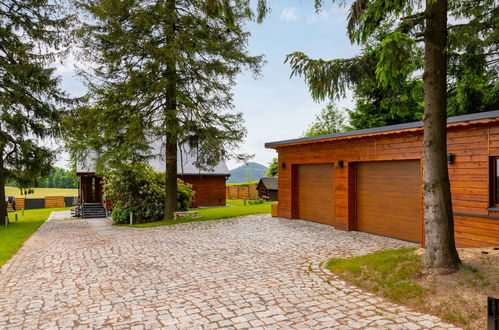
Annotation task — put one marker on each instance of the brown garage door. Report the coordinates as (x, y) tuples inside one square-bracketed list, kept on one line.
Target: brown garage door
[(389, 199), (316, 193)]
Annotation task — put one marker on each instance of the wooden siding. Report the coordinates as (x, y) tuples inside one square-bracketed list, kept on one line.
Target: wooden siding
[(210, 189), (273, 210), (267, 194), (472, 146)]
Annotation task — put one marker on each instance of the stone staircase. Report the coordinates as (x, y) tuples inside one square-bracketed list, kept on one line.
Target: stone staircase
[(93, 210)]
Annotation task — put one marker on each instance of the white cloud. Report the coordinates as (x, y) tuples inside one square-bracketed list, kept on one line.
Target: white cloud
[(311, 19), (339, 12), (290, 14), (336, 12)]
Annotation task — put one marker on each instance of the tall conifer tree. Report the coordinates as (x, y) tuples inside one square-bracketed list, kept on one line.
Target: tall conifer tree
[(31, 34), (163, 69)]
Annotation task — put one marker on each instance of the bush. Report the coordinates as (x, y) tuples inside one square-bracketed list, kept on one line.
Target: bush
[(137, 189), (185, 194), (256, 201)]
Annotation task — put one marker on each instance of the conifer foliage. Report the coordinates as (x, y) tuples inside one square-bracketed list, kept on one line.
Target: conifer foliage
[(32, 34), (163, 69)]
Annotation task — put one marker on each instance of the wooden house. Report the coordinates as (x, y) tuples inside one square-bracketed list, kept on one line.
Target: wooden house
[(370, 180), (267, 189), (209, 185)]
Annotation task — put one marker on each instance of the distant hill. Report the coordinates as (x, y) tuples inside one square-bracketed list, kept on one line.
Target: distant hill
[(245, 173)]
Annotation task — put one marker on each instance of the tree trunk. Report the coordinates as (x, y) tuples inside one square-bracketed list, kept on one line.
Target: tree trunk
[(3, 203), (171, 121), (171, 176), (441, 256)]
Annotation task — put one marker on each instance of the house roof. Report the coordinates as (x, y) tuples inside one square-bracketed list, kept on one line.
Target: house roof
[(414, 126), (185, 162), (269, 183)]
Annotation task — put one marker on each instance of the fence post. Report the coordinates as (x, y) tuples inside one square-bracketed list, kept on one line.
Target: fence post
[(6, 221), (492, 313), (131, 218), (16, 217)]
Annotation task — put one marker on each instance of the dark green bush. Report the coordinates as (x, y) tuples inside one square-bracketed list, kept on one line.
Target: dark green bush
[(185, 194), (256, 201), (137, 188)]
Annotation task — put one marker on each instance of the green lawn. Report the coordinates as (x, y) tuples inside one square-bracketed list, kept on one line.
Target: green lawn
[(387, 273), (244, 184), (458, 298), (41, 192), (213, 213), (12, 237)]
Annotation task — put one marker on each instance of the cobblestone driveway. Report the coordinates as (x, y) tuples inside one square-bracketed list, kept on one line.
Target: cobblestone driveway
[(255, 271)]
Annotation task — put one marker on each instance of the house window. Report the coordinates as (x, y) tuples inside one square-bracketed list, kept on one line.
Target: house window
[(495, 181)]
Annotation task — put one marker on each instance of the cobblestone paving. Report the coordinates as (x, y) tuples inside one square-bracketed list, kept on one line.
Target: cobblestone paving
[(250, 272)]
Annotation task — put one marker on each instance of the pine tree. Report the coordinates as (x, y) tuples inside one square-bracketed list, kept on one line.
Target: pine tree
[(163, 70), (31, 36), (273, 169), (410, 23), (377, 105)]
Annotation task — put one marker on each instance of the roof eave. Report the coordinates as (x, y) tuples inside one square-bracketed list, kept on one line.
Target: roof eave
[(477, 118)]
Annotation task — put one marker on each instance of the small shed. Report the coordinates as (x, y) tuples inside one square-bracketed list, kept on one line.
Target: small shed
[(267, 188)]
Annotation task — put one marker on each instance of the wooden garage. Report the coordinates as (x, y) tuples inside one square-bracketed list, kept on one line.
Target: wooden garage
[(370, 180), (316, 193), (389, 200)]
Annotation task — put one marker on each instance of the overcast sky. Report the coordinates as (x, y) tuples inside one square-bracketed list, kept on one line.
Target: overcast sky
[(275, 107)]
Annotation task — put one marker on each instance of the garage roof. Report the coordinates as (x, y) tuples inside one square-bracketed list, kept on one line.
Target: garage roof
[(418, 125)]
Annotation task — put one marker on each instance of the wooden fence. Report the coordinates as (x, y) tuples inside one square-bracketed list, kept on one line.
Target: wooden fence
[(47, 202), (54, 201), (239, 192), (19, 204)]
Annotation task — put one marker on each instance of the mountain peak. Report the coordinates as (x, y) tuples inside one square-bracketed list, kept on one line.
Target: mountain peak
[(247, 173)]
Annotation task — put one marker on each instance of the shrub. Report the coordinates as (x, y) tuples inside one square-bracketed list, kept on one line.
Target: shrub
[(256, 201), (185, 194), (136, 188)]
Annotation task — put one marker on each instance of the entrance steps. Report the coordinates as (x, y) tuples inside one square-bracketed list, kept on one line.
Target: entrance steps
[(93, 210)]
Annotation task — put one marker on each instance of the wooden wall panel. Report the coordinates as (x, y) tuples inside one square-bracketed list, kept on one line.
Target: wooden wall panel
[(341, 197), (476, 232), (210, 189), (54, 201), (472, 146), (19, 203), (284, 189)]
